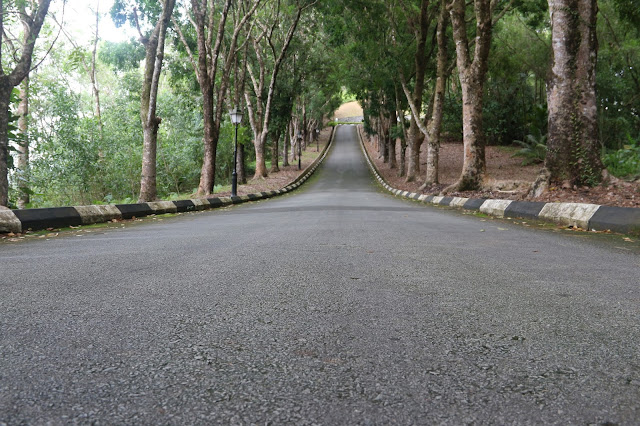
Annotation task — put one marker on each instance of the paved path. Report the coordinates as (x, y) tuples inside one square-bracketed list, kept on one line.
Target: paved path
[(335, 305)]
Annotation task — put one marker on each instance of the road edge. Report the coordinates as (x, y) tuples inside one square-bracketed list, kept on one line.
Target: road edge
[(591, 217)]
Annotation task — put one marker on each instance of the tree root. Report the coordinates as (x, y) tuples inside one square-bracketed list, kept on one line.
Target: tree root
[(541, 184)]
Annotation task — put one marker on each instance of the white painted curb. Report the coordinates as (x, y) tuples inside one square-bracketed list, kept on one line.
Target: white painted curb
[(570, 214), (495, 207), (98, 213)]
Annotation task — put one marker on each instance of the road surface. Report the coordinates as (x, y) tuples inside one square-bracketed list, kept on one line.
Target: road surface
[(337, 304)]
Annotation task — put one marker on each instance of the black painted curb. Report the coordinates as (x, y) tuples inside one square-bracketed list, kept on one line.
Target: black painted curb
[(618, 219), (55, 217), (592, 217), (17, 221)]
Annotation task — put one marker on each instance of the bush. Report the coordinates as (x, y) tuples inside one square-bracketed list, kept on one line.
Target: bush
[(534, 149), (624, 162)]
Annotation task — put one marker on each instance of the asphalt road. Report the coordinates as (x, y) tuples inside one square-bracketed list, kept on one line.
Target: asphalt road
[(337, 304)]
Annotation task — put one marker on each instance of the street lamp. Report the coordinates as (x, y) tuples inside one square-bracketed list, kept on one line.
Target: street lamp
[(299, 150), (236, 118)]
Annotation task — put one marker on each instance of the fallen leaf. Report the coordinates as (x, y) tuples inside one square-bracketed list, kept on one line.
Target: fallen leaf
[(629, 240)]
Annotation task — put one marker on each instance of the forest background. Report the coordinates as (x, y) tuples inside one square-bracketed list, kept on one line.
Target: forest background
[(287, 65)]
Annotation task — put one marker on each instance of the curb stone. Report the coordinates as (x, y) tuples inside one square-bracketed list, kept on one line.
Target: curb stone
[(18, 221), (592, 217)]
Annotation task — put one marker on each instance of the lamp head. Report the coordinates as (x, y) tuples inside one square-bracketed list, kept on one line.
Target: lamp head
[(236, 115)]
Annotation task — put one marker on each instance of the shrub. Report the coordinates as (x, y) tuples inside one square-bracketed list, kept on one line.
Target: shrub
[(534, 149), (624, 162)]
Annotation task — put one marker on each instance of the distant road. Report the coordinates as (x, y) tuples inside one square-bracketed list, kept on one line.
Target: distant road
[(338, 304), (348, 110)]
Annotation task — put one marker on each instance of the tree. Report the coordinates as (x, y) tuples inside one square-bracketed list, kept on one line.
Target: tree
[(573, 152), (419, 23), (206, 66), (260, 111), (23, 145), (33, 19), (435, 123), (473, 72), (154, 48), (90, 67)]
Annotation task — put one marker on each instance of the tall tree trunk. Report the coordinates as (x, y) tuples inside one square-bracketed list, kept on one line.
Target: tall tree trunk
[(435, 125), (391, 143), (15, 76), (401, 123), (5, 96), (384, 137), (573, 147), (242, 173), (206, 70), (472, 79), (420, 59), (285, 148), (261, 139), (274, 152), (23, 165), (148, 103), (93, 72), (403, 159)]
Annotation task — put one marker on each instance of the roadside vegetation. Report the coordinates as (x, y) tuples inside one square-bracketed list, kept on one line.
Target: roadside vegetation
[(88, 120)]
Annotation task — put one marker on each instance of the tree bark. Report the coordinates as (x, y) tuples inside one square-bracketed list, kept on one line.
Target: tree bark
[(274, 152), (384, 137), (242, 173), (23, 165), (285, 148), (573, 152), (149, 98), (391, 140), (11, 80)]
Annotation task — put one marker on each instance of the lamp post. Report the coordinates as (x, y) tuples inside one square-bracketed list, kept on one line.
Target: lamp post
[(299, 150), (236, 118)]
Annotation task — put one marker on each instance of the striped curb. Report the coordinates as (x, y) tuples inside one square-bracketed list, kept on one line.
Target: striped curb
[(592, 217), (17, 221)]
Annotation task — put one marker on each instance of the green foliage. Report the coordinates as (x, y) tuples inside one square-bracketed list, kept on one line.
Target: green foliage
[(617, 76), (396, 132), (534, 149), (123, 56), (624, 162), (124, 11), (66, 167)]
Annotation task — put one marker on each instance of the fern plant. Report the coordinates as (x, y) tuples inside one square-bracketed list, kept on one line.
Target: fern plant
[(625, 162), (534, 149)]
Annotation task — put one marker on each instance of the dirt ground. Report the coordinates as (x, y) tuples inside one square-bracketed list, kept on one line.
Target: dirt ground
[(506, 177)]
